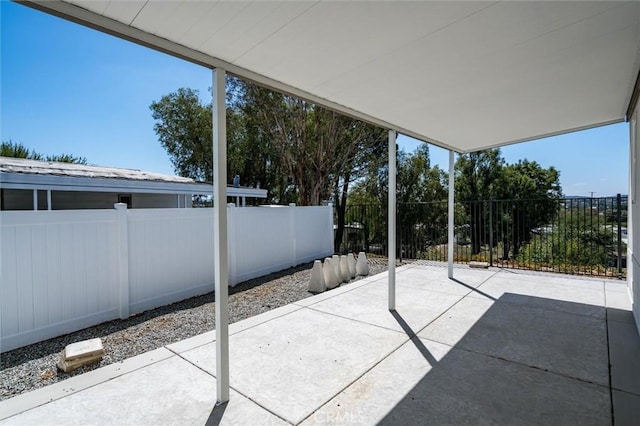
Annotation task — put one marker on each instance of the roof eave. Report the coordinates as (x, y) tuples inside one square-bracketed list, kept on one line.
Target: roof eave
[(68, 183)]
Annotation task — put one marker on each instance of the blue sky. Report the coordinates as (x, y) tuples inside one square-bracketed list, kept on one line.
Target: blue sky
[(69, 89)]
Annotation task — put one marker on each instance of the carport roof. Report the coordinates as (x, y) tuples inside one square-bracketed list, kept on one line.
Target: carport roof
[(462, 75)]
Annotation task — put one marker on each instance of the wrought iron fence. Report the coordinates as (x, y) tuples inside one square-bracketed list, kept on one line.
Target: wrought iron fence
[(585, 236)]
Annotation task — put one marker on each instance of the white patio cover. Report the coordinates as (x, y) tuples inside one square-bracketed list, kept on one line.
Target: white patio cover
[(463, 75)]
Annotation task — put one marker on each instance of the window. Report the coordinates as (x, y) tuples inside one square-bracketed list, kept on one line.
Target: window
[(126, 199)]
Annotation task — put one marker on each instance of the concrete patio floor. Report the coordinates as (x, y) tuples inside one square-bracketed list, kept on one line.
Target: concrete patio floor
[(490, 347)]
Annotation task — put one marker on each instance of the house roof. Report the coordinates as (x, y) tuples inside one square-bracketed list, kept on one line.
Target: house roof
[(35, 167), (462, 75), (18, 173)]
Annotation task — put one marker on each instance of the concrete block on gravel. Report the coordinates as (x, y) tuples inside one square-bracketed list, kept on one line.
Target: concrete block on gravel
[(80, 354), (330, 278), (362, 267), (344, 269), (352, 265), (335, 262), (316, 282)]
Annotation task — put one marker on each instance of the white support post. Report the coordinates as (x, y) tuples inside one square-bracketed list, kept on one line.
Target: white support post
[(631, 204), (450, 216), (48, 199), (232, 233), (633, 222), (221, 255), (330, 234), (35, 199), (292, 231), (392, 220)]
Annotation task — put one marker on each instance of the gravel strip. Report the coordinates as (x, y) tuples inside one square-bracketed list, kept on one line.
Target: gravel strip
[(34, 366)]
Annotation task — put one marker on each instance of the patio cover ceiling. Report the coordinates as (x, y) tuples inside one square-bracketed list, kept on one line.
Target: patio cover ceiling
[(462, 75)]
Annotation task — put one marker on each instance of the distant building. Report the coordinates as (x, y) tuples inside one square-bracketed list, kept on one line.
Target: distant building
[(44, 185)]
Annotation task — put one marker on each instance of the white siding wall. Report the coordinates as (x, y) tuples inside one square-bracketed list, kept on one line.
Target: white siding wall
[(22, 199), (61, 270), (65, 200), (157, 201)]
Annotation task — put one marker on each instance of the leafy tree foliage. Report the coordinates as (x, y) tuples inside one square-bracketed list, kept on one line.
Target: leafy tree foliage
[(582, 238), (18, 150), (65, 158), (477, 177), (183, 126), (313, 153), (532, 192), (536, 191), (530, 195), (298, 151), (421, 216)]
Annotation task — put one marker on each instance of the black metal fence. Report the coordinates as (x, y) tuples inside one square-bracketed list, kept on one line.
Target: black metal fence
[(584, 236)]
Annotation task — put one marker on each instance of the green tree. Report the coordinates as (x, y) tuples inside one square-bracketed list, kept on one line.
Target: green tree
[(299, 152), (527, 192), (534, 194), (18, 150), (66, 158), (313, 153), (577, 241), (361, 146), (476, 177), (420, 189), (278, 129), (422, 214), (184, 129), (250, 152)]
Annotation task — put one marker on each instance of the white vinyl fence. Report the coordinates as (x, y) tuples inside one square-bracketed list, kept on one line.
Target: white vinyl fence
[(66, 270)]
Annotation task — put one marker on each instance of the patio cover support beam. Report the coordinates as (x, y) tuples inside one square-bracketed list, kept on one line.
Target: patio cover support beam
[(392, 220), (220, 261), (450, 216)]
